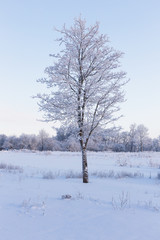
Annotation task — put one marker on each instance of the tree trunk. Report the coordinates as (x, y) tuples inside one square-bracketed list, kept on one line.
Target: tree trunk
[(84, 165)]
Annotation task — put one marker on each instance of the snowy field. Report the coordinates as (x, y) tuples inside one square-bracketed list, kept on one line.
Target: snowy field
[(42, 196)]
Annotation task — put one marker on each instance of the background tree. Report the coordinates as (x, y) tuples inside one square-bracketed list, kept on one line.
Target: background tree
[(42, 137), (142, 133), (86, 87), (2, 140), (133, 137)]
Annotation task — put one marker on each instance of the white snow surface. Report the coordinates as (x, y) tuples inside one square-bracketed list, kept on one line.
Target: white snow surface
[(120, 202)]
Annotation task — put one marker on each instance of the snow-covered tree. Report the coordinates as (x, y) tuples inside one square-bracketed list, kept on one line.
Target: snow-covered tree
[(42, 137), (110, 137), (156, 144), (86, 87), (133, 141), (142, 133), (2, 140), (124, 139), (10, 143)]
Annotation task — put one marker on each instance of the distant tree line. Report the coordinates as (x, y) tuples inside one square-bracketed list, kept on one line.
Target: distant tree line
[(113, 139)]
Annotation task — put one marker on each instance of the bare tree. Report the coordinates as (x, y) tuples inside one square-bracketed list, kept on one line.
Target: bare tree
[(86, 87)]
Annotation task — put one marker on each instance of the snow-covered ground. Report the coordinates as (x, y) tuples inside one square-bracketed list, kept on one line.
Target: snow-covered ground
[(42, 196)]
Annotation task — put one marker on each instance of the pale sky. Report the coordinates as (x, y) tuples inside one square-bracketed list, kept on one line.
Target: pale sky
[(27, 38)]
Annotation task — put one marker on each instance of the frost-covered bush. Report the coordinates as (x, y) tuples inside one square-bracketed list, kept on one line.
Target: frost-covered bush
[(158, 176), (10, 168)]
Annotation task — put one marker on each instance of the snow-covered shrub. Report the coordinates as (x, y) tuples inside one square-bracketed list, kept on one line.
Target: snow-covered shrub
[(71, 174), (125, 174), (79, 195), (10, 168), (121, 202), (122, 162), (153, 164), (66, 196), (158, 176), (50, 175), (103, 174), (29, 207)]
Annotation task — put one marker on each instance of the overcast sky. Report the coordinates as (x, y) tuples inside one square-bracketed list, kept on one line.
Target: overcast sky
[(27, 38)]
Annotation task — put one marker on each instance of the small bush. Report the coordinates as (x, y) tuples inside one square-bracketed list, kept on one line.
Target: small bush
[(124, 174), (122, 202), (71, 174), (112, 174), (29, 207), (122, 162), (10, 168), (66, 196), (138, 174), (79, 196), (150, 205), (103, 174), (158, 176), (49, 175), (153, 164)]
